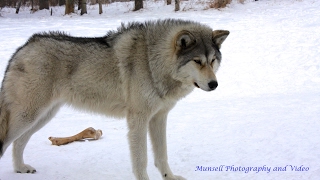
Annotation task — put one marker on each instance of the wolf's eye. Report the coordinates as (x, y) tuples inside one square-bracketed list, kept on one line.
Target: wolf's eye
[(212, 62), (197, 61)]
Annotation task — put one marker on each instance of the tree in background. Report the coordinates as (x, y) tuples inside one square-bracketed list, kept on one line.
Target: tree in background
[(32, 9), (83, 7), (100, 6), (79, 4), (138, 4), (69, 6), (2, 3), (43, 4), (18, 6), (62, 2), (176, 5)]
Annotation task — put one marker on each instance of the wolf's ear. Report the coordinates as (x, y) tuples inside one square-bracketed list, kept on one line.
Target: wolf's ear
[(184, 40), (218, 36)]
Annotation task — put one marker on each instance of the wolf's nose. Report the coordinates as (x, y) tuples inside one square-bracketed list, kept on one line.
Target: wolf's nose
[(213, 85)]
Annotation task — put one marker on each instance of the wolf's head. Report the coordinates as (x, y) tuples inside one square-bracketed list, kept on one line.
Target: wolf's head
[(198, 57)]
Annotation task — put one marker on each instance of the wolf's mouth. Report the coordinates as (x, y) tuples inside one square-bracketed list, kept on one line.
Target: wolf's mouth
[(195, 84)]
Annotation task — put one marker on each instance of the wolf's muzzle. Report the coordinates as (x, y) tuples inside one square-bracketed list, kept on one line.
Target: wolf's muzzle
[(213, 85)]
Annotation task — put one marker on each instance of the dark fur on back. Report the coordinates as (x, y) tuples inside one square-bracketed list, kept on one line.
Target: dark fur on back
[(167, 23), (61, 36)]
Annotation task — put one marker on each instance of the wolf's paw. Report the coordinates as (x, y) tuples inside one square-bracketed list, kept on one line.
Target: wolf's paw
[(174, 177), (25, 168)]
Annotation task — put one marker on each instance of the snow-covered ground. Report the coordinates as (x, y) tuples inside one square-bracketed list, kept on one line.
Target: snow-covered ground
[(265, 112)]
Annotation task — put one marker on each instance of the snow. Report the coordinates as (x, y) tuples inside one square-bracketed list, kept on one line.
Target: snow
[(265, 112)]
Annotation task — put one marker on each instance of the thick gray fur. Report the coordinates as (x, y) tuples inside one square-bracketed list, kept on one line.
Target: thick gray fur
[(137, 72)]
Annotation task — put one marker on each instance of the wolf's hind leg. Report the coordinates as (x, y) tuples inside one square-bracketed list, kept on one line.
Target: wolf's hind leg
[(157, 131), (17, 154), (20, 143)]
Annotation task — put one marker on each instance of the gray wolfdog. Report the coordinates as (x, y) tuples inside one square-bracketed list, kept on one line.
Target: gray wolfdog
[(138, 71)]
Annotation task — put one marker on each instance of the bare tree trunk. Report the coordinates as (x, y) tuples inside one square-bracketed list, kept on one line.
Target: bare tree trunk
[(11, 3), (62, 2), (168, 2), (43, 4), (100, 7), (69, 6), (2, 3), (177, 5), (138, 4), (18, 6), (83, 7)]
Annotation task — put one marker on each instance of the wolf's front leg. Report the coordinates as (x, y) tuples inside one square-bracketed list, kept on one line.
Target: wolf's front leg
[(137, 136), (157, 130)]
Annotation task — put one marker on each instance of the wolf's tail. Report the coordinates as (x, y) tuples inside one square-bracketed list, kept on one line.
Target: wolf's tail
[(4, 122)]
